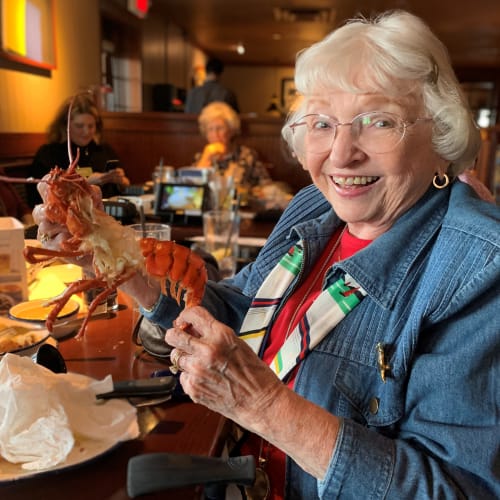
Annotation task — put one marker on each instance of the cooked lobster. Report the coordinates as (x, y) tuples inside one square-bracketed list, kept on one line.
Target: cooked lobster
[(116, 253)]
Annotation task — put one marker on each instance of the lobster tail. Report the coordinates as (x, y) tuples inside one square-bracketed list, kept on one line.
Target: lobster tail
[(177, 265)]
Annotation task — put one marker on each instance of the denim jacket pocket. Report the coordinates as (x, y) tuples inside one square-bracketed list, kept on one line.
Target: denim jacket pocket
[(379, 403)]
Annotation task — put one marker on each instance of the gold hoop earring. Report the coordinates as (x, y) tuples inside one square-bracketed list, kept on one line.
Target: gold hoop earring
[(440, 182)]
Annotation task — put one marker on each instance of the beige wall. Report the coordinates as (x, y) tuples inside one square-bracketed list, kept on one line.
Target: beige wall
[(255, 85), (30, 100)]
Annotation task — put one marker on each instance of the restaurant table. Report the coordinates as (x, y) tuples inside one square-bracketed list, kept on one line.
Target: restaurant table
[(253, 234), (177, 426), (249, 228)]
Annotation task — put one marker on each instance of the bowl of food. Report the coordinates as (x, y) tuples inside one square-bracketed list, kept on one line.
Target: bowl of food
[(21, 338), (38, 310)]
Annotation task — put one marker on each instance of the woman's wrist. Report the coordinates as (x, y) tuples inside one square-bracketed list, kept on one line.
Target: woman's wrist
[(153, 306), (145, 291)]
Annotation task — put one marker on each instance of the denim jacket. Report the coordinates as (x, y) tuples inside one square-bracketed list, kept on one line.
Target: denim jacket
[(431, 430)]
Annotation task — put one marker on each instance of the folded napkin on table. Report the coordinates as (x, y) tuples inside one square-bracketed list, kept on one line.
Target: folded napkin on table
[(41, 413)]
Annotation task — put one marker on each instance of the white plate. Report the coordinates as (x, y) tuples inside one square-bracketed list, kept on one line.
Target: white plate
[(83, 451), (41, 335)]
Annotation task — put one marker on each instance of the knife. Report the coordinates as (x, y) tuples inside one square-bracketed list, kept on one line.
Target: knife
[(154, 472), (148, 387)]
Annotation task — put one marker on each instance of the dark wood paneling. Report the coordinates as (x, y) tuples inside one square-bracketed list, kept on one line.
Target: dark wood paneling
[(141, 139), (16, 146), (486, 167)]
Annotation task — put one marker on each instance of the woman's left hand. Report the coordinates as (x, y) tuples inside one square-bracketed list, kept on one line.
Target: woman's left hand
[(53, 235), (219, 370)]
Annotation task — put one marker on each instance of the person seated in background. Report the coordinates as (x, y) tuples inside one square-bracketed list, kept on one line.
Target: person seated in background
[(358, 354), (98, 161), (211, 90), (12, 205), (220, 125)]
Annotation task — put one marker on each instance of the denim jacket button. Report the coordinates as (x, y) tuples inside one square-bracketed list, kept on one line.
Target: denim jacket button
[(374, 406)]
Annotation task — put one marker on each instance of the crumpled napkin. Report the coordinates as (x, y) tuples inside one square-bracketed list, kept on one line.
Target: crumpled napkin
[(41, 413)]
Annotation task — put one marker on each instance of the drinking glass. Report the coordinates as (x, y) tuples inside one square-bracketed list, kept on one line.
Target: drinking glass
[(155, 230), (221, 229), (152, 230)]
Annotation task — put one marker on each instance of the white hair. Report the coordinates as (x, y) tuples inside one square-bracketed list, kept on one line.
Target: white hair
[(397, 55), (219, 110)]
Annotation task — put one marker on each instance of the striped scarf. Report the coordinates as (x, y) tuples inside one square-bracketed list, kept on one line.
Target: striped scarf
[(327, 310)]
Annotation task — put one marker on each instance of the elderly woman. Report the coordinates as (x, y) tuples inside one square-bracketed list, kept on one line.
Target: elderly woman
[(220, 125), (98, 161), (359, 352)]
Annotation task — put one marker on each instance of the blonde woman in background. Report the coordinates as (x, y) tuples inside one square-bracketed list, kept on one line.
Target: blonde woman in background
[(85, 131), (220, 125)]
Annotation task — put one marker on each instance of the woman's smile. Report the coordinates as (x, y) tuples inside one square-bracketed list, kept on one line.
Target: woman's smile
[(357, 180)]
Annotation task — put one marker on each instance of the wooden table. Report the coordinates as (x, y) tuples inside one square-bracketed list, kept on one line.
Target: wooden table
[(248, 228), (175, 426)]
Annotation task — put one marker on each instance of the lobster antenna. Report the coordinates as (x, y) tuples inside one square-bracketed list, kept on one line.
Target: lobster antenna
[(68, 140)]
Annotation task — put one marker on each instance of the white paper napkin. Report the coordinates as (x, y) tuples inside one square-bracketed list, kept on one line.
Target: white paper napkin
[(41, 413)]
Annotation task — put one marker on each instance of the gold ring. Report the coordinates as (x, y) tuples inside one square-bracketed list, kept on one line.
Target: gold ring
[(44, 237), (174, 359)]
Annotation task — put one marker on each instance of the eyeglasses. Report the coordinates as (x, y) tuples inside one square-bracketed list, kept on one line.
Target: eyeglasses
[(373, 132)]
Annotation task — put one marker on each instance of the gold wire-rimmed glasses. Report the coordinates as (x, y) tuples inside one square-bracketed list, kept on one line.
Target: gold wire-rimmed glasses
[(374, 131)]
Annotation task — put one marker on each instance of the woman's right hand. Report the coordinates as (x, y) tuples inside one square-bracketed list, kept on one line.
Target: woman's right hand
[(220, 370)]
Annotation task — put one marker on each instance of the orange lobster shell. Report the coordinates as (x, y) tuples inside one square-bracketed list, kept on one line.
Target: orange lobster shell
[(177, 264), (117, 256)]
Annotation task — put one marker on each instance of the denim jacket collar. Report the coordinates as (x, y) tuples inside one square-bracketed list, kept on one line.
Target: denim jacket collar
[(408, 237)]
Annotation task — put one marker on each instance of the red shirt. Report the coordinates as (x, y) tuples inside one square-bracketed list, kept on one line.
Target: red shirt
[(293, 310)]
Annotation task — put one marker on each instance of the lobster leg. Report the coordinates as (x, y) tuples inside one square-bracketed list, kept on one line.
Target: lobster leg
[(35, 255), (179, 269), (99, 299), (61, 300)]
